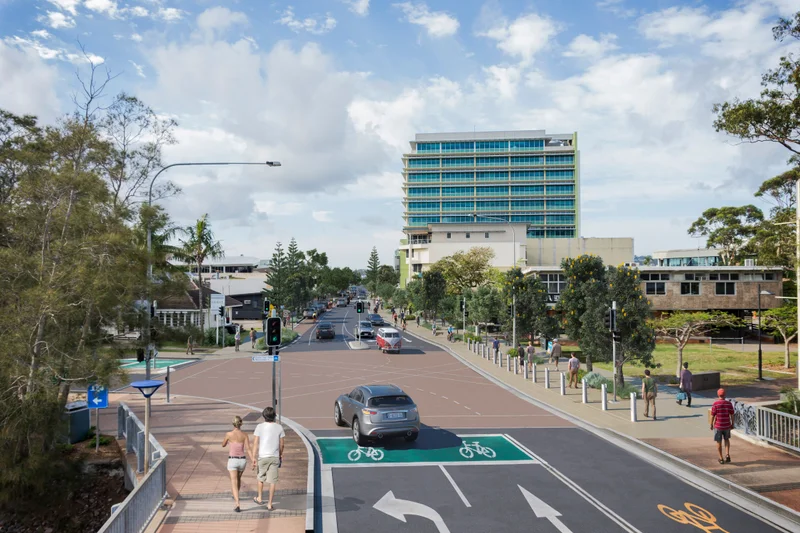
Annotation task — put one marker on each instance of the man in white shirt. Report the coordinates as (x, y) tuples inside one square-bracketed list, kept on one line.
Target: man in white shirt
[(267, 454)]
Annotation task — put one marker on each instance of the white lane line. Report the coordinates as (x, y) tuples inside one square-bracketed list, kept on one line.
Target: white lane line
[(421, 390), (453, 483), (477, 413), (465, 407), (407, 340), (445, 397), (455, 402), (432, 393)]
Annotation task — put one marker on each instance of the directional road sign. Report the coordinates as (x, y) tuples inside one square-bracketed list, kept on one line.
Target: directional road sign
[(97, 396), (266, 358)]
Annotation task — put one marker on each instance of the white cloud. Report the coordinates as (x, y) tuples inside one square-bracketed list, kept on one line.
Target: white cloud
[(359, 7), (309, 24), (136, 37), (28, 85), (41, 34), (586, 46), (137, 11), (524, 37), (616, 7), (66, 5), (139, 68), (321, 216), (503, 80), (56, 20), (219, 19), (169, 14), (436, 23), (109, 7), (276, 208)]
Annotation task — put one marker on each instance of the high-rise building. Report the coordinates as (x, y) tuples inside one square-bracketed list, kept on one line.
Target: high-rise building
[(520, 177)]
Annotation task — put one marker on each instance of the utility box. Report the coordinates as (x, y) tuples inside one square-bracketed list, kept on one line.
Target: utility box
[(78, 421), (705, 381)]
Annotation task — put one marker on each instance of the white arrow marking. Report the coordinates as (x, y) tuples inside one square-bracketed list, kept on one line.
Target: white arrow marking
[(96, 401), (398, 509), (542, 510)]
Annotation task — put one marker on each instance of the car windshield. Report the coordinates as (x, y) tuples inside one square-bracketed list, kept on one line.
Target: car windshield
[(365, 324), (325, 326), (390, 335), (389, 401)]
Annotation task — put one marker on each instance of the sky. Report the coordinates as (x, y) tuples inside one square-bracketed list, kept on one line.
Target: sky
[(335, 90)]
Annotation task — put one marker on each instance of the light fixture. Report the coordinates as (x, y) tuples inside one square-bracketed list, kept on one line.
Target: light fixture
[(147, 387), (273, 163)]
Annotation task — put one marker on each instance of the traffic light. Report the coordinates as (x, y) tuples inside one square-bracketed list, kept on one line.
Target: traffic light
[(266, 307), (607, 320), (616, 335), (221, 310), (463, 305), (273, 331), (359, 307)]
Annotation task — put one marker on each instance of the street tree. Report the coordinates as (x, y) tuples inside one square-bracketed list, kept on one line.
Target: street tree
[(416, 295), (728, 228), (373, 268), (385, 291), (278, 279), (582, 302), (315, 266), (680, 327), (487, 306), (784, 321), (295, 278), (400, 298), (533, 314), (434, 288), (388, 274), (199, 245), (633, 317), (466, 270)]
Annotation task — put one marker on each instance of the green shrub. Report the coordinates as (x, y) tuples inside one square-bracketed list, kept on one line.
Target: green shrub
[(512, 352), (596, 381), (410, 318)]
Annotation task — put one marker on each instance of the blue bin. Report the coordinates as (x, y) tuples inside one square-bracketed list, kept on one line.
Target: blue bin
[(78, 421)]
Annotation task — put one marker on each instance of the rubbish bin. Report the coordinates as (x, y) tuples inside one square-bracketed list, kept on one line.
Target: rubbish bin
[(78, 421)]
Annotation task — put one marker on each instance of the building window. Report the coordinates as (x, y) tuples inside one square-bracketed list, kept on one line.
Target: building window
[(769, 276), (726, 289), (448, 235), (691, 288), (417, 268), (723, 277), (654, 277), (486, 235), (467, 235), (655, 288), (412, 253)]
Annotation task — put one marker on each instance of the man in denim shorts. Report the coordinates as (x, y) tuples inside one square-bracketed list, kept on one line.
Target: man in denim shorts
[(268, 454)]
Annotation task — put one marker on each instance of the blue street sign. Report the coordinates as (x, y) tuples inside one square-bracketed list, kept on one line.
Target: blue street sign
[(97, 396), (266, 358)]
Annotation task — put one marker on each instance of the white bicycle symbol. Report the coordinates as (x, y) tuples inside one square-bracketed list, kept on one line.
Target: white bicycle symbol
[(468, 450), (371, 453)]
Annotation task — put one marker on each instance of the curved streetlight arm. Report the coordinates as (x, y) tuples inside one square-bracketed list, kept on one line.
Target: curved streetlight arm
[(214, 163)]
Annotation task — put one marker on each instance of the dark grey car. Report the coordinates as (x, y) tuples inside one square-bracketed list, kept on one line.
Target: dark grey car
[(375, 319), (377, 411)]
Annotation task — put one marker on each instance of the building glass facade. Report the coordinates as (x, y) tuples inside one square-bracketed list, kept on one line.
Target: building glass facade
[(522, 177)]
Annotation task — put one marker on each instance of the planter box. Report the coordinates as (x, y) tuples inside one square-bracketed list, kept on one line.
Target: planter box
[(705, 381)]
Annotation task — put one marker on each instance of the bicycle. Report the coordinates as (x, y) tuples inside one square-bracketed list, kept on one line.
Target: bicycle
[(371, 453), (468, 450)]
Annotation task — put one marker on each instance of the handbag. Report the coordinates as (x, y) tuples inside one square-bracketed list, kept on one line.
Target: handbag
[(680, 396)]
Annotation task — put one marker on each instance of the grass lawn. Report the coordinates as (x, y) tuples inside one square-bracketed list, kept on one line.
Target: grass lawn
[(737, 367)]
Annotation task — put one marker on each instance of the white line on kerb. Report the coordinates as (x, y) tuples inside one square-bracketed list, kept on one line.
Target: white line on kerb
[(445, 397), (455, 402), (453, 483)]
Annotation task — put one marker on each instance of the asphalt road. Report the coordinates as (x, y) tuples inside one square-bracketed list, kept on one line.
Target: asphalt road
[(485, 461)]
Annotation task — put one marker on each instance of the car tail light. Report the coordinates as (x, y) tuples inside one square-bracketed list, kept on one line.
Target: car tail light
[(413, 410), (369, 412)]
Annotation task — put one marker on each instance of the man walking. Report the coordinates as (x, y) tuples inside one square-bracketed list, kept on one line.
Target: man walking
[(237, 338), (267, 454), (190, 346), (252, 338), (555, 352), (530, 349), (417, 319), (495, 346), (573, 365), (686, 385), (722, 423), (649, 393)]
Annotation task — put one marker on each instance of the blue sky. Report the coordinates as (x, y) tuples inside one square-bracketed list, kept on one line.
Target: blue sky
[(335, 89)]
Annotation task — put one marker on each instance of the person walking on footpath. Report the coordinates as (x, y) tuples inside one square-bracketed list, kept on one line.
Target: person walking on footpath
[(686, 385), (722, 423), (237, 338), (252, 338), (649, 393), (190, 346), (495, 346), (531, 351), (417, 320), (237, 456), (555, 352), (267, 454), (573, 365)]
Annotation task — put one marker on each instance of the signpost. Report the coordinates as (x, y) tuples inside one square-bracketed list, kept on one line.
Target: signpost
[(275, 359), (217, 301), (97, 398)]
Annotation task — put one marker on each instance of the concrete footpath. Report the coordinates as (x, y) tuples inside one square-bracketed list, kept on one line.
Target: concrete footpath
[(679, 431), (200, 500)]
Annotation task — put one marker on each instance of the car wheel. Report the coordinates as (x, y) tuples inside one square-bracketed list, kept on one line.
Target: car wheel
[(412, 437), (357, 436), (337, 416)]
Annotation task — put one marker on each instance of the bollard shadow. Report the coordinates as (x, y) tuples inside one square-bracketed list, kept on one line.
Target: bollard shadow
[(430, 438), (681, 416)]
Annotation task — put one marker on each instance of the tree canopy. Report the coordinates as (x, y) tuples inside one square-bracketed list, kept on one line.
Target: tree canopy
[(728, 228), (466, 270)]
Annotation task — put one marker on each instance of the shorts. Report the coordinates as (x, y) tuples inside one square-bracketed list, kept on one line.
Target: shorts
[(268, 470), (720, 433), (237, 463)]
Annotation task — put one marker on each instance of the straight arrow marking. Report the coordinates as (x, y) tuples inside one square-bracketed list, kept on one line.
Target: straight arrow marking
[(542, 510)]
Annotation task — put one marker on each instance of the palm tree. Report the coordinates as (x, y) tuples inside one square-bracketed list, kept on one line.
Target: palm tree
[(198, 246)]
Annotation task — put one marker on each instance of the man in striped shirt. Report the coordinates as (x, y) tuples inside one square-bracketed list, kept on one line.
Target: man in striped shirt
[(722, 423)]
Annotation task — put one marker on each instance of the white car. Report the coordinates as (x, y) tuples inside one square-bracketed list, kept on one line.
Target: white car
[(365, 329)]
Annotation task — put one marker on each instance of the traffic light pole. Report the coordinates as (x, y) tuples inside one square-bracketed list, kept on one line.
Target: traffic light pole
[(614, 345), (464, 313)]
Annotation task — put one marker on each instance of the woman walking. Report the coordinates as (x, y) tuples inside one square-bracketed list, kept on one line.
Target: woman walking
[(237, 456), (238, 337)]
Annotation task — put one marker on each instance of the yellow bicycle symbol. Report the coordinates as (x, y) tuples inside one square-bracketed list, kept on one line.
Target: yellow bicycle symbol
[(694, 516)]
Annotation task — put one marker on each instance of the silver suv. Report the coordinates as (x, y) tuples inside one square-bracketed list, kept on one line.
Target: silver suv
[(377, 411)]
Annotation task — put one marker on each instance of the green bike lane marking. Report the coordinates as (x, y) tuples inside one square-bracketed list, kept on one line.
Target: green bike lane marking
[(472, 449)]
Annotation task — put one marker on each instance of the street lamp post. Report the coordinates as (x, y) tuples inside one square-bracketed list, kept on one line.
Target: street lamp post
[(765, 293), (150, 236), (513, 289), (147, 388)]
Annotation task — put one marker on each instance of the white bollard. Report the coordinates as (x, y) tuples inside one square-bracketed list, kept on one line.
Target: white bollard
[(525, 372), (508, 363), (534, 373), (633, 407), (584, 391), (546, 378), (563, 384), (604, 396), (516, 367)]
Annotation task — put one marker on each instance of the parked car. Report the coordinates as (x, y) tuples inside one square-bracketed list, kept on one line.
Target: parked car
[(309, 312), (320, 308), (375, 320), (325, 330), (341, 302), (377, 411), (364, 329), (389, 340)]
